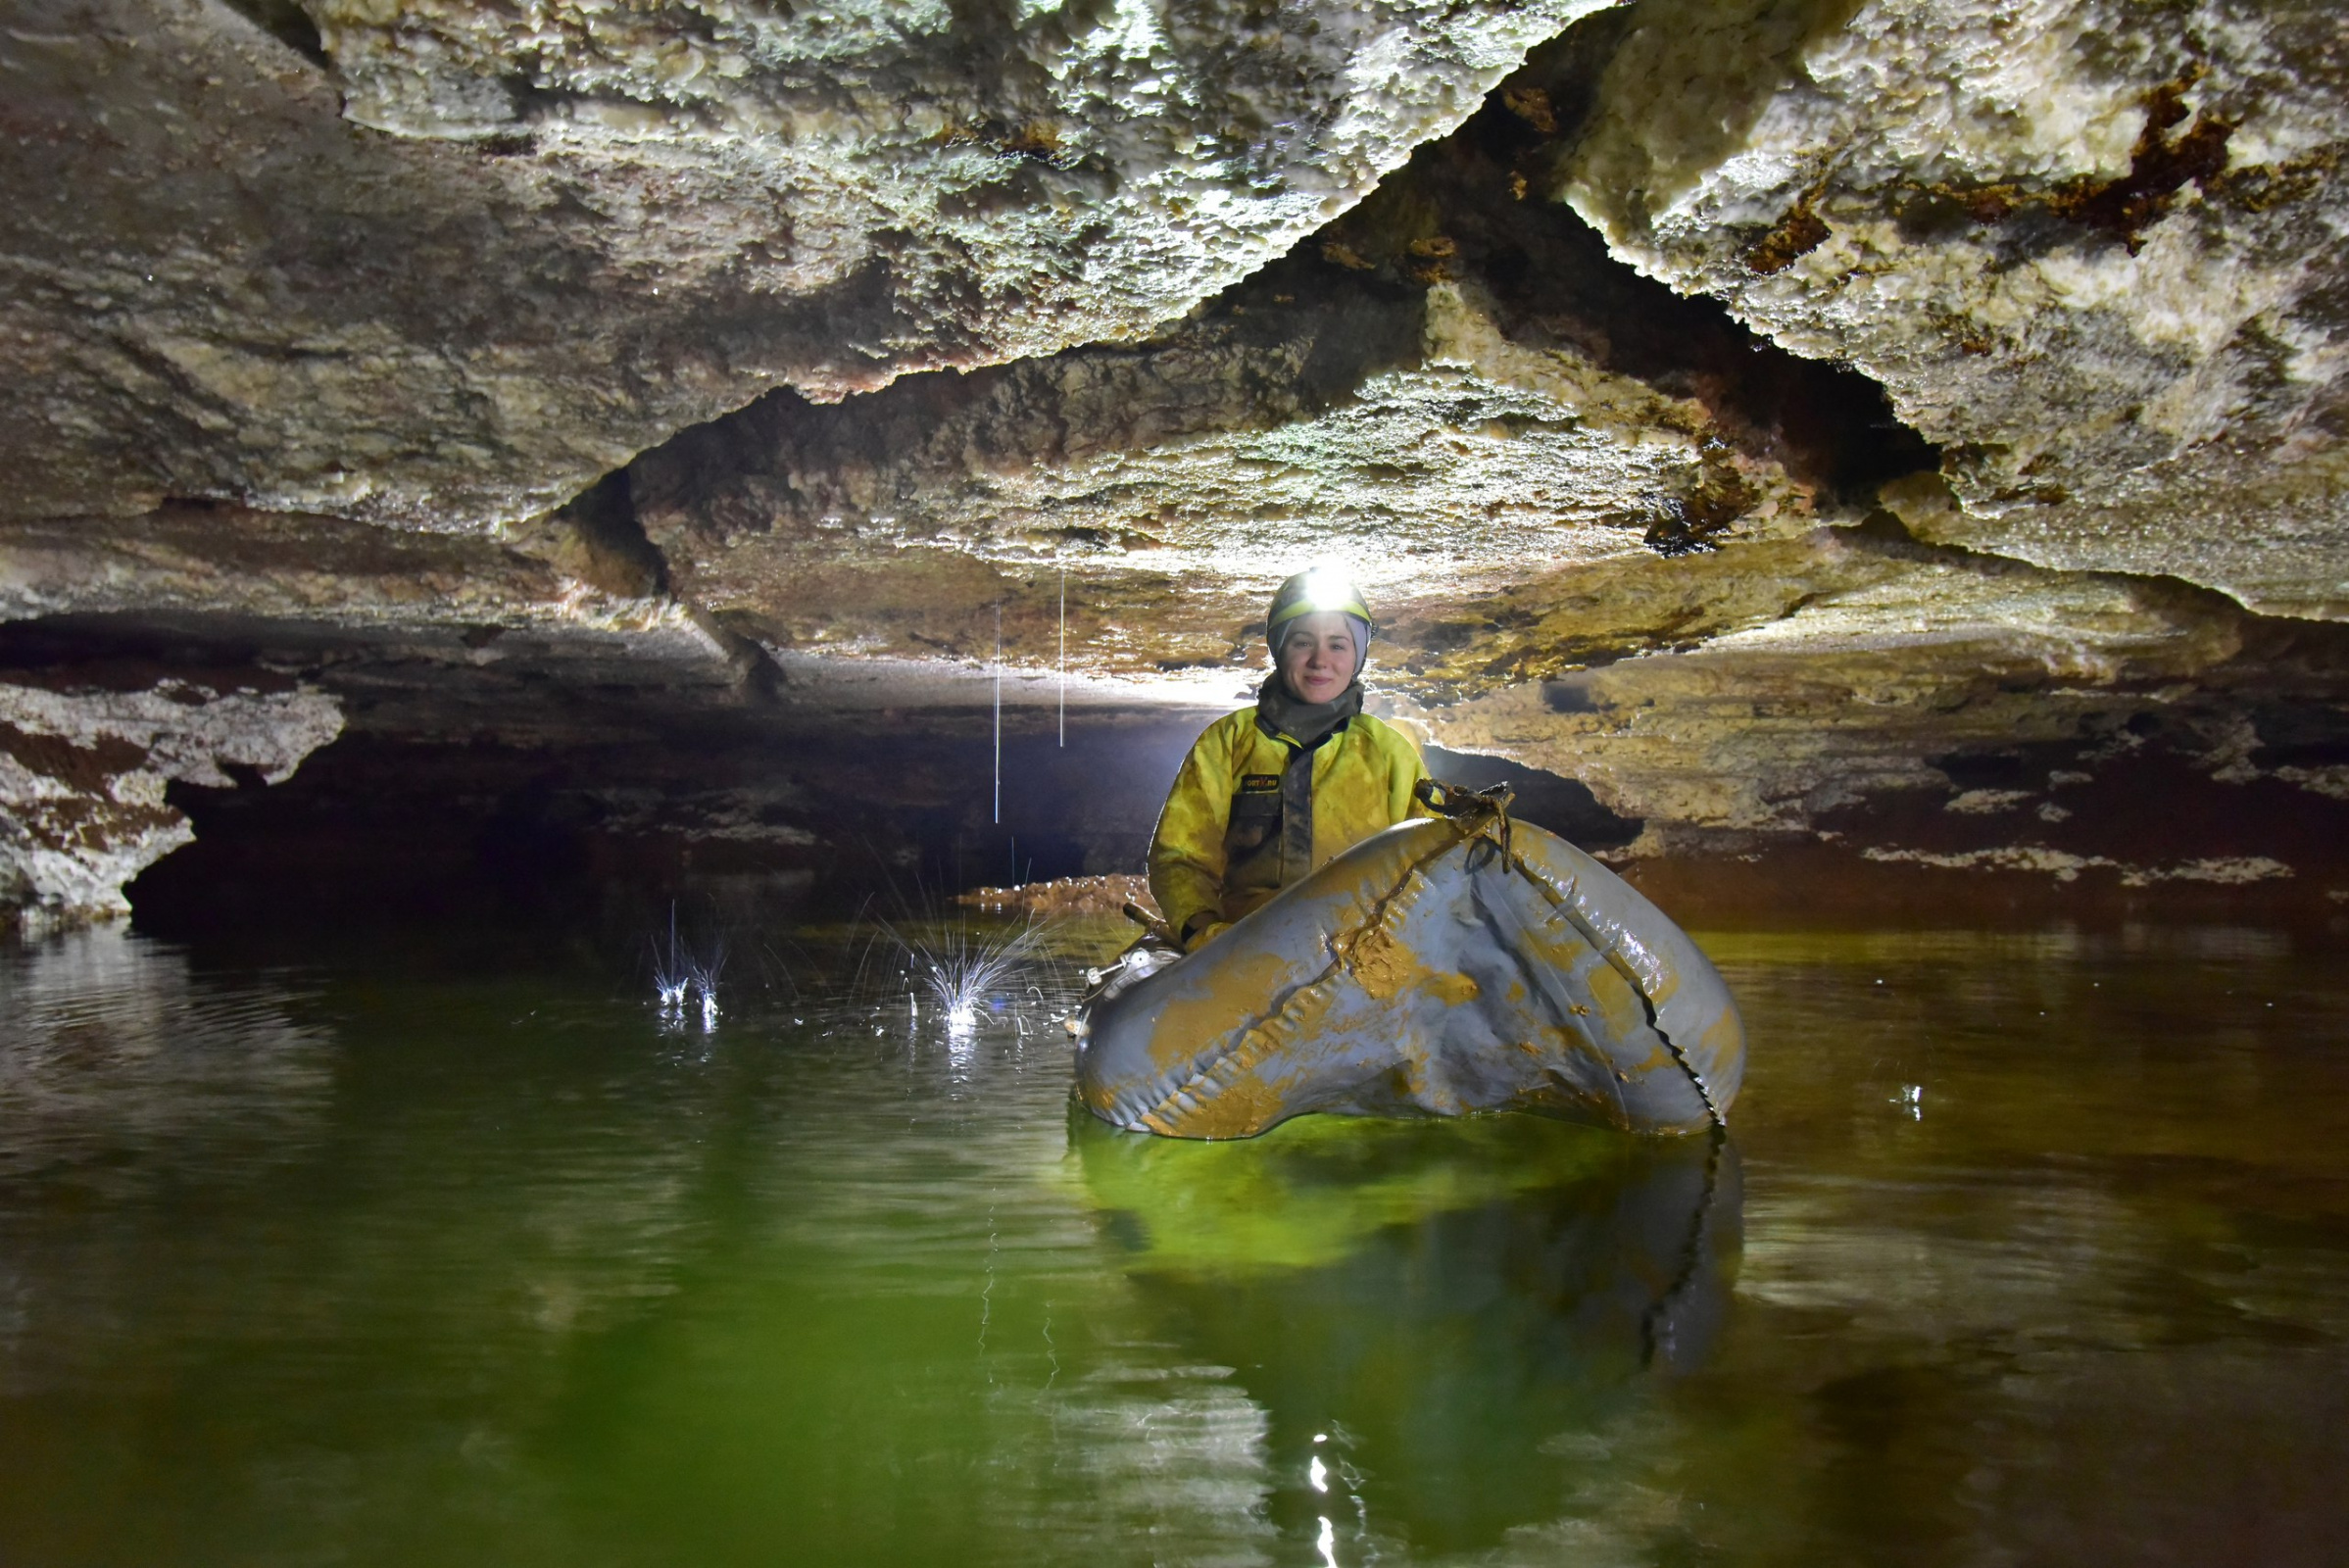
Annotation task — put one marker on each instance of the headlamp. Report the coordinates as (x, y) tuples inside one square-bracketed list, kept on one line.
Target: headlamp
[(1316, 592)]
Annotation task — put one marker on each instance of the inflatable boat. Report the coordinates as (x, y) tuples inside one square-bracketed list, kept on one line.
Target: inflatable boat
[(1461, 964)]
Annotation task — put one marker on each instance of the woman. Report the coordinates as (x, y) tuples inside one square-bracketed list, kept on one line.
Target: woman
[(1272, 792)]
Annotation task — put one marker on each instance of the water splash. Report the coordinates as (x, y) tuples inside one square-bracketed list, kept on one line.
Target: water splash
[(960, 970), (684, 981)]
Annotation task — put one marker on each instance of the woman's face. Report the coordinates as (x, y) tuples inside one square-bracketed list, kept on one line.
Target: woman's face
[(1317, 657)]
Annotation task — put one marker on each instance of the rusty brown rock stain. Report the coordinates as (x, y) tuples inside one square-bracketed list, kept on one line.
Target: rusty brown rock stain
[(89, 767), (2263, 187), (94, 825), (1531, 105), (1431, 261), (1796, 235), (2160, 167)]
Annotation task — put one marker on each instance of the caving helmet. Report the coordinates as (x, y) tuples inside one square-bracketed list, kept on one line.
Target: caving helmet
[(1315, 592)]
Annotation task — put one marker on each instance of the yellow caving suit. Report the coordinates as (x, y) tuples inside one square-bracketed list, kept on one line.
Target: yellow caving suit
[(1252, 813)]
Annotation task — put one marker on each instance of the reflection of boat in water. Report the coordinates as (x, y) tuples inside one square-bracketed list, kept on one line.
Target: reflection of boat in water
[(1449, 965), (1456, 1310)]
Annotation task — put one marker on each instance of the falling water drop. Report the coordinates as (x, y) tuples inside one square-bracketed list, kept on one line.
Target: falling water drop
[(998, 713), (1064, 657)]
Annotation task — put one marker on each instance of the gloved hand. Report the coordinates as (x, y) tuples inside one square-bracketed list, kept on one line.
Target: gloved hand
[(1205, 934)]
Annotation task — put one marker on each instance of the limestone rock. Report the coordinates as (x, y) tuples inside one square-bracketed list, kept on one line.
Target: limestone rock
[(443, 264), (1452, 390), (1771, 725), (1420, 444), (2090, 247), (82, 773), (1086, 333), (1902, 671)]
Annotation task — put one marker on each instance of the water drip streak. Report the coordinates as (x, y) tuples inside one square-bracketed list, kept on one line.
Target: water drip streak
[(1064, 657), (998, 713)]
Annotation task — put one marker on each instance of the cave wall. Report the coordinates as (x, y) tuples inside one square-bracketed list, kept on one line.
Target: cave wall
[(1773, 416), (87, 758)]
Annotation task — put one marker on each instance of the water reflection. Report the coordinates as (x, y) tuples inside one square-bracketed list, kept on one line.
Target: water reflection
[(1433, 1316), (119, 1070), (372, 1263), (284, 1252), (112, 1054)]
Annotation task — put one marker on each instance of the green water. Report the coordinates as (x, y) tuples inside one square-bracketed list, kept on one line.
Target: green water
[(2025, 1249)]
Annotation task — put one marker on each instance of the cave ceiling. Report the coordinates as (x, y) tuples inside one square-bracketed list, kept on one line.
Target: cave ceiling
[(2090, 247), (442, 265), (1744, 408)]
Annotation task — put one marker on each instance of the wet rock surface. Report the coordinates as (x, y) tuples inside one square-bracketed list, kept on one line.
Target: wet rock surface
[(1453, 389), (2089, 249), (443, 264), (522, 771), (1757, 424), (85, 762)]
